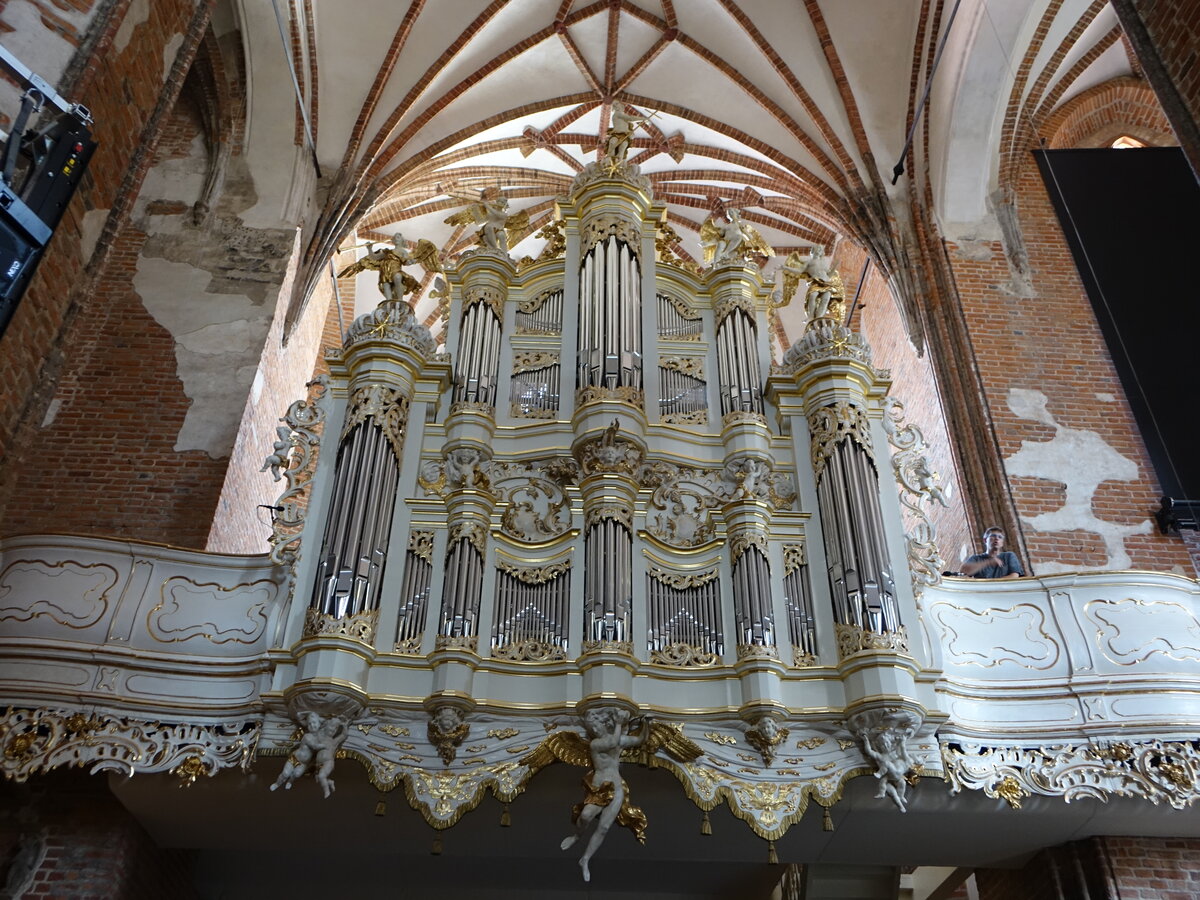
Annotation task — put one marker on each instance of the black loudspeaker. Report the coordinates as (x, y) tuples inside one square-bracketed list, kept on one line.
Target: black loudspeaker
[(22, 237)]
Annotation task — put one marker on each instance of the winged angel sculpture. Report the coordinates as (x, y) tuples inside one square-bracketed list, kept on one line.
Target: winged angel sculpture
[(727, 239), (612, 736), (389, 262), (825, 297), (496, 227)]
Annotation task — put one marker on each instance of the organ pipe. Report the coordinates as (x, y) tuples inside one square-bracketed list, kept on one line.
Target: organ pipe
[(478, 359), (608, 587), (737, 364), (610, 323)]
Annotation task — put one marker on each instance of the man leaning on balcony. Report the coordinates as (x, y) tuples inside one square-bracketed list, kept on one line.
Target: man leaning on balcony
[(995, 562)]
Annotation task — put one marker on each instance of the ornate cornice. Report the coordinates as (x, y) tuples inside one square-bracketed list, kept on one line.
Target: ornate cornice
[(392, 320)]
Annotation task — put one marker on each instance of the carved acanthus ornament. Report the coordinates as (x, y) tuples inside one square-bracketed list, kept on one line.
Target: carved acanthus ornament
[(299, 433), (884, 735), (830, 425), (594, 394), (794, 556), (826, 340), (456, 642), (387, 406), (726, 305), (34, 741), (531, 360), (598, 228), (420, 545), (530, 651), (757, 651), (695, 417), (473, 406), (358, 627), (624, 648), (616, 511), (538, 506), (682, 581), (679, 512), (852, 640), (534, 575), (485, 294), (743, 417), (685, 656), (521, 411), (528, 307), (666, 239), (1154, 770), (392, 320), (555, 246), (920, 485), (609, 454), (742, 541), (475, 533), (691, 366), (802, 659), (612, 170)]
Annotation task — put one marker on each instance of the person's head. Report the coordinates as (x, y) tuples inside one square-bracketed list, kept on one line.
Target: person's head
[(993, 539)]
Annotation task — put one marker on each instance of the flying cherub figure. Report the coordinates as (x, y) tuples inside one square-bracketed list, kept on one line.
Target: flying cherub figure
[(727, 239), (497, 228), (389, 262), (825, 298), (612, 736)]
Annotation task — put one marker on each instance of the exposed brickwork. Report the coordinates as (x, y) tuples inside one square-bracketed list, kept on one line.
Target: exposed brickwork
[(94, 847), (914, 386), (1155, 868), (1098, 116), (1050, 342)]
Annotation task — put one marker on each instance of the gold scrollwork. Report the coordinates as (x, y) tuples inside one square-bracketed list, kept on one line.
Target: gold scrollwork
[(695, 417), (530, 575), (482, 293), (802, 659), (598, 228), (420, 544), (794, 556), (387, 406), (503, 734), (520, 411), (472, 406), (596, 514), (718, 738), (595, 394), (757, 651), (743, 541), (851, 640), (726, 305), (692, 366), (830, 425), (625, 648), (530, 650), (409, 646), (739, 417), (456, 642), (358, 627), (531, 360), (685, 656), (682, 581), (473, 532)]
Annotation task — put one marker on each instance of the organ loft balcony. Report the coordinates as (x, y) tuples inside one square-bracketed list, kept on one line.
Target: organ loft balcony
[(603, 526)]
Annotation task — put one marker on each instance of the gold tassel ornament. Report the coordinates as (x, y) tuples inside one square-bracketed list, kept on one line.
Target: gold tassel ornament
[(772, 856), (505, 818), (436, 850), (381, 808), (705, 824), (826, 819)]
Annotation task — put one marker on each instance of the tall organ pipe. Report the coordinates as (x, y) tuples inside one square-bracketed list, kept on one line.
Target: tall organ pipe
[(610, 321), (608, 588), (351, 565), (478, 360), (737, 364)]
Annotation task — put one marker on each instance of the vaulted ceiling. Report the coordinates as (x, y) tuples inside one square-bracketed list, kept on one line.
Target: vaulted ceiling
[(794, 111)]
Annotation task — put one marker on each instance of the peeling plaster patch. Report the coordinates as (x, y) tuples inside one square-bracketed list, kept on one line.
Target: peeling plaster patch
[(51, 412), (137, 13), (968, 248), (1105, 398), (179, 179), (90, 228), (216, 341), (1081, 460), (169, 53)]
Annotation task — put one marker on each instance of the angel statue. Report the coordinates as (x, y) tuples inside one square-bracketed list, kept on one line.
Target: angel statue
[(612, 735), (620, 131), (389, 262), (317, 747), (826, 298), (496, 227), (728, 240), (765, 737)]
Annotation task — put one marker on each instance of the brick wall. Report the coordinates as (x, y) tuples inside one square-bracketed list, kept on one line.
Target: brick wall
[(94, 847), (1035, 331), (1155, 868), (913, 385), (130, 83)]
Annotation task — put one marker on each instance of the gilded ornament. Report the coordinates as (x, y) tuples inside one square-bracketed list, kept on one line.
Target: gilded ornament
[(456, 642), (472, 532), (503, 734), (498, 229), (472, 406), (392, 320), (717, 738), (531, 360), (757, 651), (682, 581), (766, 737), (420, 544), (598, 229), (802, 659), (625, 648), (851, 640), (728, 240), (387, 407), (530, 650), (409, 646), (743, 417), (534, 575), (358, 627), (447, 731), (794, 556), (191, 769), (1009, 789), (394, 730), (691, 366), (743, 541), (813, 743), (695, 417), (599, 513), (919, 485), (830, 425), (295, 455), (685, 656), (594, 394)]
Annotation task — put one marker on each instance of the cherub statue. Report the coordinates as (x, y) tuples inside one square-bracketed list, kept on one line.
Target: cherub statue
[(825, 298), (447, 731), (886, 746), (464, 466), (765, 736), (745, 478), (277, 462), (611, 732), (497, 227), (317, 747), (927, 484), (620, 131), (389, 262), (727, 239)]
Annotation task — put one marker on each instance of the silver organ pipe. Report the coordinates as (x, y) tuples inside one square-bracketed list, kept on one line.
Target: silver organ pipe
[(673, 324), (414, 592), (679, 394), (860, 576), (608, 587), (531, 612), (610, 322), (737, 364), (463, 588), (798, 601), (352, 559), (542, 315), (478, 359), (688, 615), (535, 391), (752, 616)]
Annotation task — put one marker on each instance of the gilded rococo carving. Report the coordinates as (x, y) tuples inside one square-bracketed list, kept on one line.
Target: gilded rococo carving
[(609, 453), (830, 425), (295, 455), (919, 485), (387, 406)]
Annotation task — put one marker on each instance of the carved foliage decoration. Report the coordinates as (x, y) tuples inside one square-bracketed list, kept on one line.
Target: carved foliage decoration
[(692, 366), (919, 485), (794, 556), (530, 650), (296, 455), (596, 394), (598, 228), (485, 294), (609, 453), (538, 506), (830, 425), (680, 509), (358, 627), (531, 360), (84, 589), (534, 575), (389, 409), (682, 581), (217, 614), (1154, 770), (695, 417), (852, 640), (728, 304), (684, 656), (33, 741)]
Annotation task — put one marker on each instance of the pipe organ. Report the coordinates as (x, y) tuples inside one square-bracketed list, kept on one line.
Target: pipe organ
[(560, 516)]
